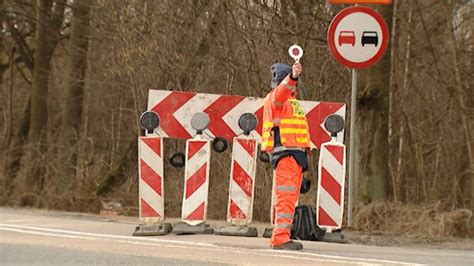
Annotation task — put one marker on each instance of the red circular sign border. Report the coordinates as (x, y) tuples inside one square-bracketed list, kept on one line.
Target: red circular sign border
[(332, 31)]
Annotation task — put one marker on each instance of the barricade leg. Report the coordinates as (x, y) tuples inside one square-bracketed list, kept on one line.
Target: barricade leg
[(196, 188), (150, 188), (241, 189), (330, 195)]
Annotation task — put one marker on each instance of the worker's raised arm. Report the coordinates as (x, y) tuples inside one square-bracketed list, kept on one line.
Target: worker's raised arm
[(284, 90), (288, 86)]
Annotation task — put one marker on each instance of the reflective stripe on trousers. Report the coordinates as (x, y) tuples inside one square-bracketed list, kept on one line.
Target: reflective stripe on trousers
[(287, 179)]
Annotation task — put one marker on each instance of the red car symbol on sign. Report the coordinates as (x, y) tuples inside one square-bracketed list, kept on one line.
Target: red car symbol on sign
[(347, 36)]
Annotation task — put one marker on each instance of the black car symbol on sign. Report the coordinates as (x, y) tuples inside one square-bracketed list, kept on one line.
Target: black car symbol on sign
[(370, 37)]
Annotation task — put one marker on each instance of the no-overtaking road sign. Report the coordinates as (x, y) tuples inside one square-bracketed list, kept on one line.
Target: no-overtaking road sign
[(358, 37)]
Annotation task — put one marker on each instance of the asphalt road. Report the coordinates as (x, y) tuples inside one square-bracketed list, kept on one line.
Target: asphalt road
[(39, 238)]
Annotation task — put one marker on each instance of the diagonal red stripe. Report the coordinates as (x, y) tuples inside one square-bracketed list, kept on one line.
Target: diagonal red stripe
[(315, 119), (235, 211), (248, 145), (150, 177), (196, 180), (217, 110), (197, 214), (259, 115), (242, 179), (324, 218), (147, 210), (336, 151), (166, 109), (330, 185), (153, 143), (194, 146)]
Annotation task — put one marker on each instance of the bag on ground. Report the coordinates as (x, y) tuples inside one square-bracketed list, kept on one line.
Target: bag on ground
[(304, 224)]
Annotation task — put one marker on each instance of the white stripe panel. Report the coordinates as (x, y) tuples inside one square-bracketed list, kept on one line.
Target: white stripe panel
[(243, 158), (154, 98), (198, 160), (248, 164), (308, 106), (199, 196), (240, 198), (196, 104), (151, 158), (195, 163), (330, 206), (247, 105), (151, 197), (332, 165)]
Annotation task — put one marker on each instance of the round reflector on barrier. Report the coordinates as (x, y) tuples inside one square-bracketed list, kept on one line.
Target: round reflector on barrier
[(248, 122), (177, 159), (219, 144), (149, 120), (200, 121), (334, 124)]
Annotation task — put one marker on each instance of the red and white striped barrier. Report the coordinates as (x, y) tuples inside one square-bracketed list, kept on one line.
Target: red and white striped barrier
[(332, 174), (196, 181), (175, 107), (242, 180), (150, 170)]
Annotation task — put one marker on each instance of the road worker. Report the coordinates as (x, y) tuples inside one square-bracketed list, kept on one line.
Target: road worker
[(285, 136)]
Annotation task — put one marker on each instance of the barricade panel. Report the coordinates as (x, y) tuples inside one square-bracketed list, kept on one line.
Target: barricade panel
[(196, 181), (242, 181), (330, 197)]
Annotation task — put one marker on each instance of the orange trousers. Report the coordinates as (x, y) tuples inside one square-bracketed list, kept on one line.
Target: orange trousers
[(286, 188)]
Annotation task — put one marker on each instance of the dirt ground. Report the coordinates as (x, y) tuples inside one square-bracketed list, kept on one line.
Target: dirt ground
[(409, 240)]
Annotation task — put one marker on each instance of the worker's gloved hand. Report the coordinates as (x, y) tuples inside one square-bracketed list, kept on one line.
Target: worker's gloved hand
[(296, 70), (305, 185)]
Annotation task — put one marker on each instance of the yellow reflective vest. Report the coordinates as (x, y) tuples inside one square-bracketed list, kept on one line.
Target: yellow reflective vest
[(281, 109)]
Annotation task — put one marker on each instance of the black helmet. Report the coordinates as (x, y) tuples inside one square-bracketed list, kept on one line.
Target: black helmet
[(279, 72)]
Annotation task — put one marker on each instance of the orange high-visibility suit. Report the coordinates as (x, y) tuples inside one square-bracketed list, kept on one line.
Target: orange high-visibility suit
[(285, 131)]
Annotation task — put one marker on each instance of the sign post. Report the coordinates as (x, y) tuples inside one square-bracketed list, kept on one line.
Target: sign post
[(357, 38), (352, 161)]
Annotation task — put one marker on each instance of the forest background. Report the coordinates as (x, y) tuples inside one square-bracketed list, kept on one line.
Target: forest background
[(74, 78)]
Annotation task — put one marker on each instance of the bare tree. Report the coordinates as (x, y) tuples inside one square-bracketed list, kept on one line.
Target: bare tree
[(78, 47), (49, 17)]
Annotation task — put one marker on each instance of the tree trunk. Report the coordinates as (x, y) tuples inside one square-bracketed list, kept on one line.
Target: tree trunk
[(392, 117), (373, 103), (15, 150), (47, 34), (79, 43), (465, 104)]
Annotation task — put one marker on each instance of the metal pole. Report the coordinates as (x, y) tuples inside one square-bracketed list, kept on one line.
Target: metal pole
[(352, 148)]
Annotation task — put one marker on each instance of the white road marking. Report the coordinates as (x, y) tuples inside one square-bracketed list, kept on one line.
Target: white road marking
[(105, 235), (297, 255), (143, 243)]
